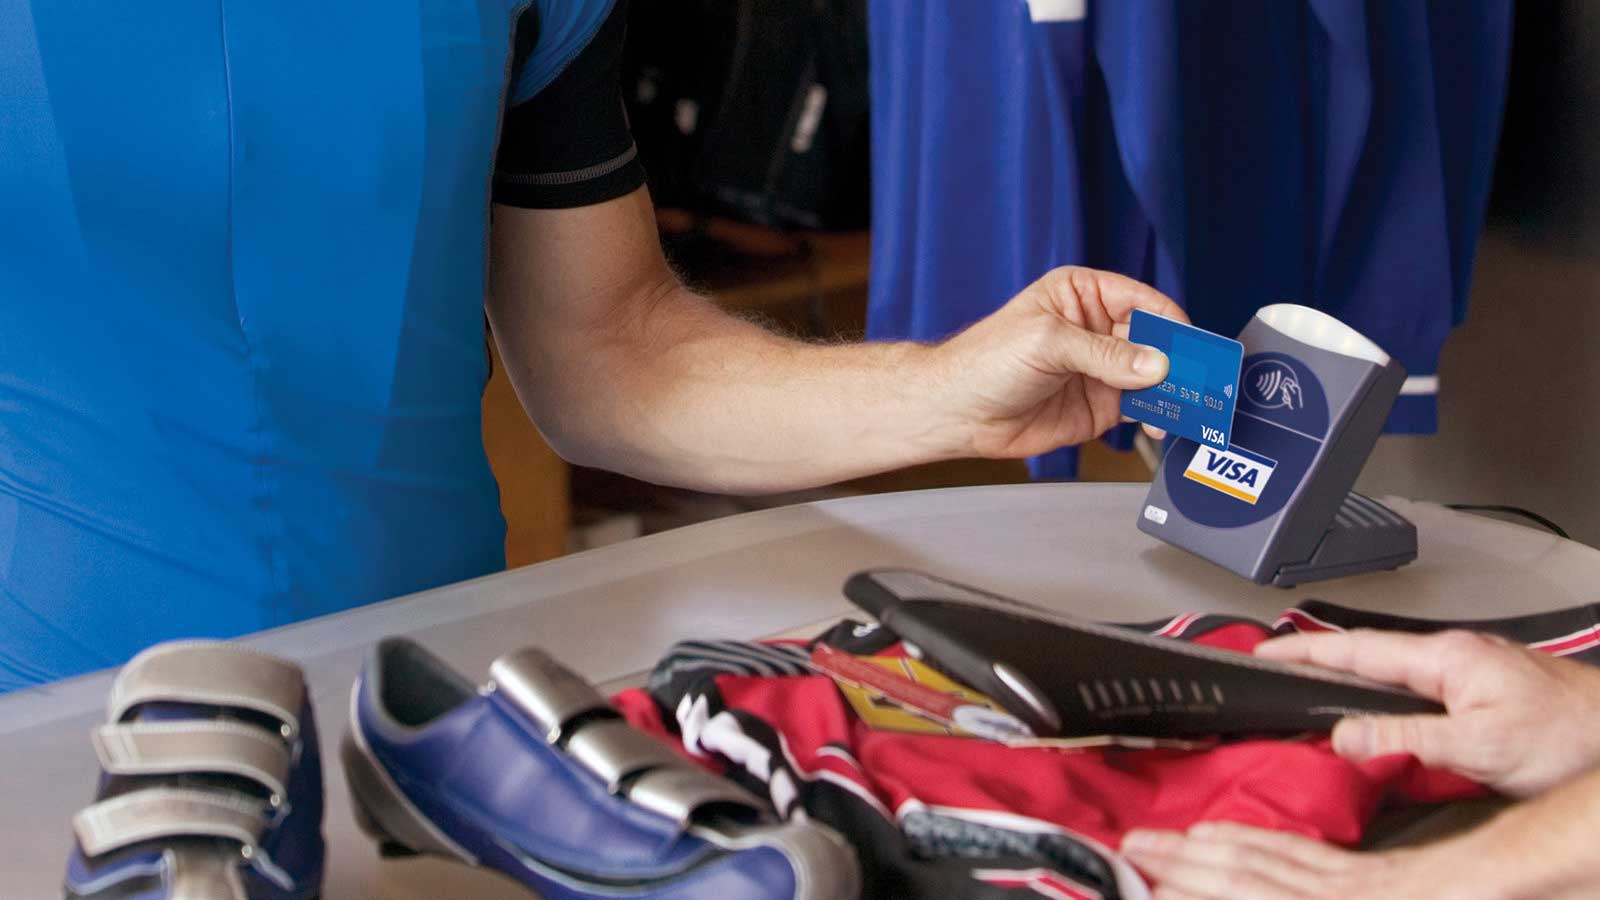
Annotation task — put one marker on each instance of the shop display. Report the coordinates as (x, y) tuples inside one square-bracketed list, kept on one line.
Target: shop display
[(1333, 154), (754, 110), (211, 786)]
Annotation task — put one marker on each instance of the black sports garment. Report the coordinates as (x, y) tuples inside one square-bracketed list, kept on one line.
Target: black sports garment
[(569, 145)]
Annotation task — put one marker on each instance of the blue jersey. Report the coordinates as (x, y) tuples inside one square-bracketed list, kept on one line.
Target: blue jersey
[(1234, 153), (241, 310)]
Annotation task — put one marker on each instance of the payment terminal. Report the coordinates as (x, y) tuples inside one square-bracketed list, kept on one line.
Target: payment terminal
[(1275, 505)]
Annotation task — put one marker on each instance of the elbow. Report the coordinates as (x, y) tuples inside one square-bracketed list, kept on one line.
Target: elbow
[(562, 422), (572, 448), (566, 390)]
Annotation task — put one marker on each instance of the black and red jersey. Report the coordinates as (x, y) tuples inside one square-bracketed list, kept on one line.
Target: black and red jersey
[(953, 817)]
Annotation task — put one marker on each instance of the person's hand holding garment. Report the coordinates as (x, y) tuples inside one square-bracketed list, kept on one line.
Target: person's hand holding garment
[(1538, 850), (1520, 721), (1517, 720)]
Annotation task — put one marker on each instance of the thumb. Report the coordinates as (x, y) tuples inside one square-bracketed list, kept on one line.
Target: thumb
[(1433, 740), (1111, 360)]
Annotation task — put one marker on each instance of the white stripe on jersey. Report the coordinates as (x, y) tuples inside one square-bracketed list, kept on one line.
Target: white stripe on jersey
[(1058, 10), (1419, 384), (1289, 616)]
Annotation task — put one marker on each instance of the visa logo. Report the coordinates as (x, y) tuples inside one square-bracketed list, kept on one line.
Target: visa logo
[(1235, 471), (1231, 469), (1214, 435)]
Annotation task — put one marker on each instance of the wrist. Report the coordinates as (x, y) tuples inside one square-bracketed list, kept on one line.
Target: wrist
[(1477, 865), (941, 419), (1517, 855)]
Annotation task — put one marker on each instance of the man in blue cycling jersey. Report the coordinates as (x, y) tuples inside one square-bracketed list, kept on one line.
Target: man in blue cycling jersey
[(243, 280)]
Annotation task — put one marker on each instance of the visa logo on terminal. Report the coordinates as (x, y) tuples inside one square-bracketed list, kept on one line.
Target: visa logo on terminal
[(1235, 471)]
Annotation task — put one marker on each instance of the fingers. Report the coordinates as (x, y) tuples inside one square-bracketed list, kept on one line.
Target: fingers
[(1117, 295), (1303, 850), (1423, 663), (1109, 360), (1419, 662), (1214, 869), (1156, 434), (1166, 857), (1104, 403), (1171, 893), (1093, 309), (1433, 740)]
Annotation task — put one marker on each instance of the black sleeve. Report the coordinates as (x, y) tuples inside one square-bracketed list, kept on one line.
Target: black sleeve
[(569, 145)]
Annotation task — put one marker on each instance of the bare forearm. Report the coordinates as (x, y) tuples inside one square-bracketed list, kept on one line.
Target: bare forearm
[(621, 367), (683, 393), (1544, 847)]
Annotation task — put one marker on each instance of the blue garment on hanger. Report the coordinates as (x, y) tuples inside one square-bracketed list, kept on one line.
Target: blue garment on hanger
[(1235, 153), (241, 311)]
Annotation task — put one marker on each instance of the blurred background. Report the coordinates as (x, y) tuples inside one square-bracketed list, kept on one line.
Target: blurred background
[(755, 123), (1519, 413)]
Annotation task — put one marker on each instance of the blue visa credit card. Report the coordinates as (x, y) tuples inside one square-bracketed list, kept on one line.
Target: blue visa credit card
[(1196, 400)]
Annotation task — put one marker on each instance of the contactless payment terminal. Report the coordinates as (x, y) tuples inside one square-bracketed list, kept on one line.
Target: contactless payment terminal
[(1197, 398), (1274, 502)]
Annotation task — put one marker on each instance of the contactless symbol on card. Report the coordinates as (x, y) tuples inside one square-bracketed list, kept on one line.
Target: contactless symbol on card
[(1197, 399)]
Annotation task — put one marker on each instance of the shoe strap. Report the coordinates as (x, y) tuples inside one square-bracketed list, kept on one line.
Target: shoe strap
[(197, 745), (553, 696), (212, 673), (167, 812)]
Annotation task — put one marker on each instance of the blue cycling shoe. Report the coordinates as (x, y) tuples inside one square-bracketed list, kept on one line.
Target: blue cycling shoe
[(211, 786), (538, 778)]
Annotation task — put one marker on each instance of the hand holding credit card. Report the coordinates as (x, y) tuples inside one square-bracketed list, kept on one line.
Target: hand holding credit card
[(1197, 399)]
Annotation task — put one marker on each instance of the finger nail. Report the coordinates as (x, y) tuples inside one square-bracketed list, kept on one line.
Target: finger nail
[(1150, 362)]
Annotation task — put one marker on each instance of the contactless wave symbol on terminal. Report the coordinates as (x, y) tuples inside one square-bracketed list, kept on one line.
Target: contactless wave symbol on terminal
[(1273, 385)]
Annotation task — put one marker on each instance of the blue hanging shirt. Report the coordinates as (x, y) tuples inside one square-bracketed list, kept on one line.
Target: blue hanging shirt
[(242, 346), (1233, 153)]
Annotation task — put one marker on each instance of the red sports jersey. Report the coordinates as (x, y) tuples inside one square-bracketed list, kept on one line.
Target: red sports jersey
[(939, 816)]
